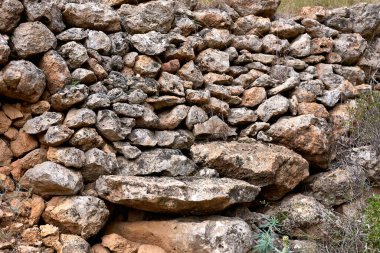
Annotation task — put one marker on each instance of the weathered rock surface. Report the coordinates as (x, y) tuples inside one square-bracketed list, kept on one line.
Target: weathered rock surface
[(77, 118), (211, 234), (10, 14), (48, 178), (170, 162), (98, 163), (80, 215), (33, 38), (22, 80), (68, 157), (151, 43), (42, 123), (273, 167), (152, 16), (174, 195), (95, 16), (307, 135)]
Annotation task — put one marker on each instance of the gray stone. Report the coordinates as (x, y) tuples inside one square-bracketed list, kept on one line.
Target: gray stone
[(49, 178), (73, 34), (57, 135), (41, 123), (22, 80), (254, 129), (94, 16), (274, 45), (119, 43), (171, 84), (32, 38), (275, 168), (97, 101), (301, 46), (152, 16), (180, 139), (10, 14), (217, 38), (146, 66), (330, 98), (195, 116), (213, 18), (263, 8), (78, 118), (80, 215), (110, 126), (190, 72), (98, 41), (174, 195), (68, 157), (86, 138), (74, 53), (171, 162), (241, 116), (127, 110), (251, 24), (350, 47), (274, 106), (142, 137), (251, 43), (212, 60), (5, 50), (286, 28), (84, 76), (127, 150), (151, 43), (169, 120), (98, 163), (69, 96), (213, 128)]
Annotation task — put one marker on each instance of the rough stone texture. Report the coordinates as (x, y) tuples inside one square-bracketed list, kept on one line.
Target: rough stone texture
[(42, 123), (275, 168), (367, 158), (68, 157), (306, 134), (32, 38), (336, 187), (22, 144), (350, 47), (57, 135), (258, 8), (5, 50), (98, 163), (117, 243), (5, 154), (151, 43), (77, 118), (80, 215), (10, 14), (74, 53), (92, 16), (170, 162), (74, 243), (304, 215), (169, 120), (213, 18), (213, 128), (173, 194), (223, 234), (286, 28), (212, 60), (110, 126), (48, 178), (22, 80), (56, 71), (86, 138), (152, 16), (98, 41), (274, 106)]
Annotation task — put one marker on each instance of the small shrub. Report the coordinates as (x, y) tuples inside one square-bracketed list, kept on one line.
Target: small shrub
[(372, 222)]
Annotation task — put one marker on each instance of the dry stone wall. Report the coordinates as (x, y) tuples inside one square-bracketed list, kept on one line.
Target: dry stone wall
[(166, 110)]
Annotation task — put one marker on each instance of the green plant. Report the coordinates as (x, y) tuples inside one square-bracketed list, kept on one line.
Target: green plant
[(372, 224), (75, 82), (265, 239)]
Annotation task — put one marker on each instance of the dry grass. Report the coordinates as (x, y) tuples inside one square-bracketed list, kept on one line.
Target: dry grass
[(293, 6)]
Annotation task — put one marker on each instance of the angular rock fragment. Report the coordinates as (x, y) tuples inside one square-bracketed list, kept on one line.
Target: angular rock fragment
[(306, 134), (212, 60), (80, 215), (49, 178), (32, 38), (94, 16), (275, 168), (173, 195), (69, 96), (110, 126), (127, 150), (57, 135), (213, 128), (169, 120), (151, 43), (22, 80), (142, 137), (180, 139), (152, 16), (170, 162), (274, 106), (98, 163), (41, 123), (10, 14), (78, 118), (86, 138), (68, 157), (74, 53)]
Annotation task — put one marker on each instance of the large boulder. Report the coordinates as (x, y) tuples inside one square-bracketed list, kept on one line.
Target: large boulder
[(306, 134), (262, 8), (275, 168), (152, 16), (10, 14), (48, 178), (32, 38), (210, 234), (175, 195), (22, 80), (170, 162), (304, 216), (94, 16), (80, 215)]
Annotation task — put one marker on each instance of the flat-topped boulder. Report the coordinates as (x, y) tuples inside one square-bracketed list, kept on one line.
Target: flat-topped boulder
[(209, 234), (175, 195), (275, 168)]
